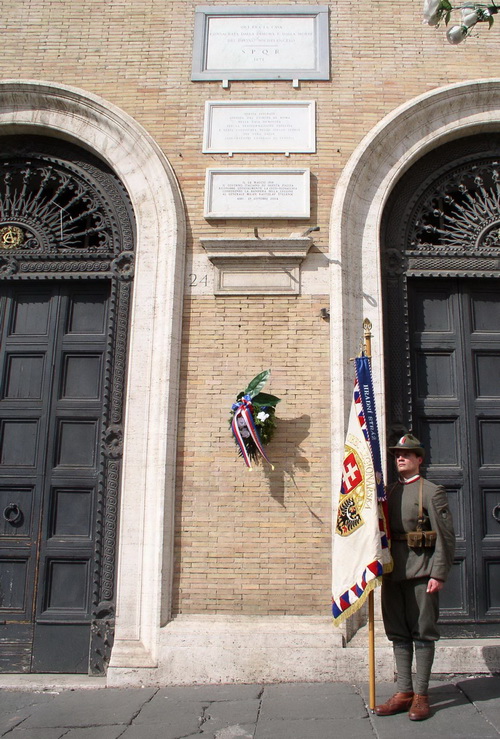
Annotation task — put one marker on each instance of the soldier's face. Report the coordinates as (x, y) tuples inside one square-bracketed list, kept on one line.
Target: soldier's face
[(407, 464)]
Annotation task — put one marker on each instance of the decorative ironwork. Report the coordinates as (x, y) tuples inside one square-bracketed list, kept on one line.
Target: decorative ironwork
[(460, 213), (62, 211), (11, 237), (49, 206)]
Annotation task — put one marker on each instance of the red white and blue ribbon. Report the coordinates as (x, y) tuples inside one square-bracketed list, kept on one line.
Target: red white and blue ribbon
[(244, 409)]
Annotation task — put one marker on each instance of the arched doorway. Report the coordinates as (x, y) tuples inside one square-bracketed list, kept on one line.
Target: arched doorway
[(66, 268), (441, 266), (145, 520)]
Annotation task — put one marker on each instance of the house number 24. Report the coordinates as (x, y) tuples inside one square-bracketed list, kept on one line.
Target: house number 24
[(195, 280)]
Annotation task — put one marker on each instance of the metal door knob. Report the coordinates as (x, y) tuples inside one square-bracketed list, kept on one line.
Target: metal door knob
[(496, 512), (12, 513)]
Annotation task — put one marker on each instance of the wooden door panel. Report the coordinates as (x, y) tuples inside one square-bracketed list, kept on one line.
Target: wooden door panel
[(54, 344), (455, 599), (490, 510), (486, 375), (77, 443), (81, 376), (485, 311), (432, 312), (488, 435), (436, 375), (19, 442), (14, 573), (23, 376), (440, 437), (87, 313), (455, 339), (71, 514), (30, 313)]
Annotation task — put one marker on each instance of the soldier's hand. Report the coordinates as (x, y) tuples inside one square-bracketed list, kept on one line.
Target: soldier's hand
[(434, 586)]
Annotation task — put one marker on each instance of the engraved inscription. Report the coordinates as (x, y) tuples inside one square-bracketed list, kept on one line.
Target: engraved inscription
[(261, 43)]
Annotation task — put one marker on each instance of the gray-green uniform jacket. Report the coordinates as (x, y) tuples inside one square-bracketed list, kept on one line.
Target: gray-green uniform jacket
[(403, 504)]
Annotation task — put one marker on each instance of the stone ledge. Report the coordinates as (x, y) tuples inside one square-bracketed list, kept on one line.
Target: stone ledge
[(257, 266), (204, 649)]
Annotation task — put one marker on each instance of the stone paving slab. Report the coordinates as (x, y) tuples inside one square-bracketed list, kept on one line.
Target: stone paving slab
[(96, 732), (37, 733), (481, 690), (90, 708), (312, 701), (453, 716), (99, 732), (160, 708), (315, 729), (219, 715), (16, 706), (212, 692)]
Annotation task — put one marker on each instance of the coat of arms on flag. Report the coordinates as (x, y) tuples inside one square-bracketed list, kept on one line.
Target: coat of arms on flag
[(360, 542)]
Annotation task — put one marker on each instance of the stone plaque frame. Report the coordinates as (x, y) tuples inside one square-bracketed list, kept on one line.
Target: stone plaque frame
[(218, 114), (257, 266), (236, 206), (233, 24)]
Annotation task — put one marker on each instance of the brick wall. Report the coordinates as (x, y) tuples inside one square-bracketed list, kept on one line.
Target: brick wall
[(259, 541)]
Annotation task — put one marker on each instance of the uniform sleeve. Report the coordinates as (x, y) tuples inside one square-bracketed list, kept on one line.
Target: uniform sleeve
[(441, 522)]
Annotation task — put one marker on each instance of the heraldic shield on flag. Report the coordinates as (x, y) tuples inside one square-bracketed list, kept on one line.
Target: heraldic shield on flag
[(361, 551)]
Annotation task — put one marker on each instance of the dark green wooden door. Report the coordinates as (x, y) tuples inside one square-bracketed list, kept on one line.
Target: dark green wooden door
[(455, 366), (53, 349)]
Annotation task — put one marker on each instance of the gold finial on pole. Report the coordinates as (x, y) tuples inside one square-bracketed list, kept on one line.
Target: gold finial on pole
[(367, 328)]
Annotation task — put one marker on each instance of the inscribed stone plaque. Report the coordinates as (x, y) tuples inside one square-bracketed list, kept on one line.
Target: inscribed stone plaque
[(257, 193), (235, 42), (259, 126)]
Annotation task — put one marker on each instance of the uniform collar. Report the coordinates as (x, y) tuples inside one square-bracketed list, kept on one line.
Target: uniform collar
[(409, 480)]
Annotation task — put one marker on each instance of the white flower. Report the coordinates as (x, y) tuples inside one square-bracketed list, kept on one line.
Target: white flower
[(432, 12), (262, 416)]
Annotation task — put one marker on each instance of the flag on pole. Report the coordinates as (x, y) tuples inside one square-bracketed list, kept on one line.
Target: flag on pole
[(361, 552)]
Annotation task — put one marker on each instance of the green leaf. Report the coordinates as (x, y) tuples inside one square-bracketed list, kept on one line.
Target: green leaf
[(256, 385), (266, 399)]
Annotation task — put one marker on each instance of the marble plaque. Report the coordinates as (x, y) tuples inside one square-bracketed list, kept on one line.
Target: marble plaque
[(257, 193), (235, 42), (259, 126)]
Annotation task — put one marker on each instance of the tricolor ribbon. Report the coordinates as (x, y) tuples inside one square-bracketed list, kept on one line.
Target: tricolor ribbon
[(244, 409)]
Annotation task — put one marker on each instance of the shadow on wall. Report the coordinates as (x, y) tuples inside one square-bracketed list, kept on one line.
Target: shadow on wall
[(290, 434)]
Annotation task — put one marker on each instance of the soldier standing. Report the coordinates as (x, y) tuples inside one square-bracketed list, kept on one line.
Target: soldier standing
[(422, 547)]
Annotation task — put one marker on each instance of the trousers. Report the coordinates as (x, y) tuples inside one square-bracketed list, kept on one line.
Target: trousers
[(409, 612)]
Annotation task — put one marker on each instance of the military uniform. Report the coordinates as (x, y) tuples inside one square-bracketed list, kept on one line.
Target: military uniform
[(410, 612)]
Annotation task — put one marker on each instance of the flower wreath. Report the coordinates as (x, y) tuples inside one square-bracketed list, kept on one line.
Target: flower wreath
[(253, 419)]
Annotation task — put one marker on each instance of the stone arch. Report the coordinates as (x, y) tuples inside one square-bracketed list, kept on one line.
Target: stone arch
[(385, 154), (147, 490)]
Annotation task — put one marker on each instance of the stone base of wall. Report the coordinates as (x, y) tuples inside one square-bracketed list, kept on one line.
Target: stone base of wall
[(253, 649), (219, 649)]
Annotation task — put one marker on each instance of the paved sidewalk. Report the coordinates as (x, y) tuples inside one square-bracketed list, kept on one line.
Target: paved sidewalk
[(466, 709)]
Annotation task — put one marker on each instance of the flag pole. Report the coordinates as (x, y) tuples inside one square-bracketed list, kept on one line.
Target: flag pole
[(367, 327)]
